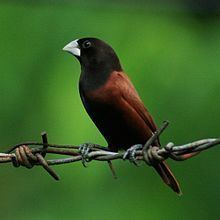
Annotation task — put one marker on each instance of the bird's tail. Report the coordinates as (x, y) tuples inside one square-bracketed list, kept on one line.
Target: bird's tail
[(164, 171)]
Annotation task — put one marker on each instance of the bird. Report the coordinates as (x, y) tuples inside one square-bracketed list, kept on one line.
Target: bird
[(113, 103)]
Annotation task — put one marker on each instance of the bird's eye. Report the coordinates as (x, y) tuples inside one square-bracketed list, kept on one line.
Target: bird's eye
[(86, 44)]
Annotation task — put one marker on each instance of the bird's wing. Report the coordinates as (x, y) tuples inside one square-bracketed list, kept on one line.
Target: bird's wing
[(130, 95)]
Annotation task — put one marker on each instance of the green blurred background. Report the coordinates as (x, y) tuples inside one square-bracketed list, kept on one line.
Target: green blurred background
[(170, 50)]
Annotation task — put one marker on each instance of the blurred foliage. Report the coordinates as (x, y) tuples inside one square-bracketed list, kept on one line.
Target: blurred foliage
[(173, 60)]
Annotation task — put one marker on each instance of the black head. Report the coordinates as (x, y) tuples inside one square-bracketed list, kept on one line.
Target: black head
[(94, 55)]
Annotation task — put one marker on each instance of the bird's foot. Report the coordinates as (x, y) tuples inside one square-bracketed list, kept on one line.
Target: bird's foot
[(130, 153), (84, 150)]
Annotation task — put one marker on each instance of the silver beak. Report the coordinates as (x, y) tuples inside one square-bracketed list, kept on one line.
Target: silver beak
[(73, 48)]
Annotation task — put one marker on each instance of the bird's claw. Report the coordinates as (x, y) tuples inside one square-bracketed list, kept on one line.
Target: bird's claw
[(131, 152), (84, 150)]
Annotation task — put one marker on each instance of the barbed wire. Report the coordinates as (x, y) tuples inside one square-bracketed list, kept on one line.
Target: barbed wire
[(30, 154)]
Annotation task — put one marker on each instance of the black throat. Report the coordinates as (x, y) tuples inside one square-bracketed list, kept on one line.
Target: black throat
[(95, 73)]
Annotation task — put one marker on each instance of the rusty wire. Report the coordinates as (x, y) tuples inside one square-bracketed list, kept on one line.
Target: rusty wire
[(22, 155)]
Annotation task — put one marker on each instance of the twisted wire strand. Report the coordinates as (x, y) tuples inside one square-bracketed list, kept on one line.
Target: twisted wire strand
[(25, 156)]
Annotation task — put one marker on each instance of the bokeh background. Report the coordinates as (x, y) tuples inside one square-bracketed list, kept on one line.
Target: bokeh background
[(171, 51)]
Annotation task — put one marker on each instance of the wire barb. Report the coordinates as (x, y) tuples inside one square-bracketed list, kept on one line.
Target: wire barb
[(25, 157)]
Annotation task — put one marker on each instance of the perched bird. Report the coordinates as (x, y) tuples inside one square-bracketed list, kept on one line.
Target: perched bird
[(112, 102)]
